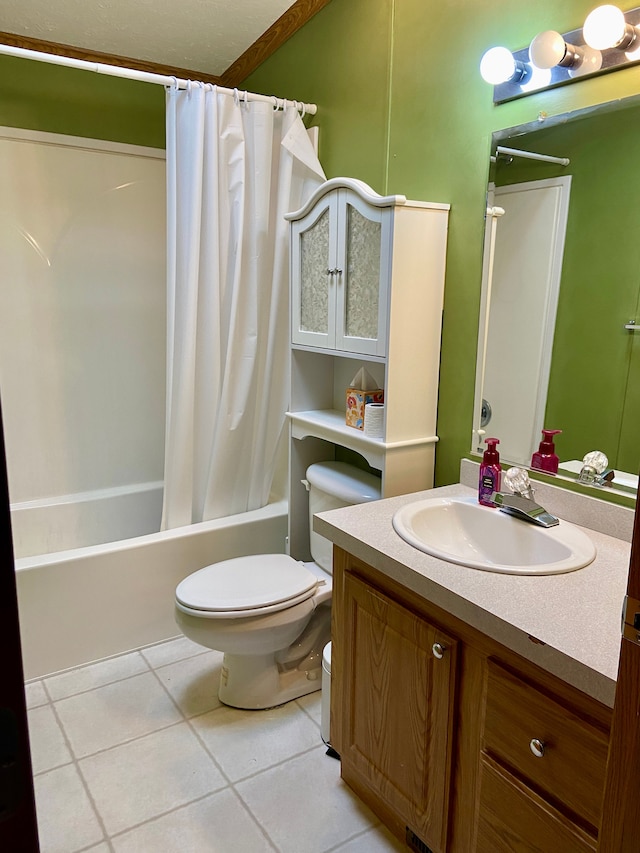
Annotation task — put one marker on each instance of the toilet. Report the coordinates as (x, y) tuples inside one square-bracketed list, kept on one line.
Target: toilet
[(268, 613)]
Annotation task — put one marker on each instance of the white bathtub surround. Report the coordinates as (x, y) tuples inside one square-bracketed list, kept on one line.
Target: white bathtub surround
[(83, 605), (234, 169), (82, 313), (200, 777)]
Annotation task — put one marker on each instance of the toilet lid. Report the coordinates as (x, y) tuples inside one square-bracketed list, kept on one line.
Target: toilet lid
[(247, 583)]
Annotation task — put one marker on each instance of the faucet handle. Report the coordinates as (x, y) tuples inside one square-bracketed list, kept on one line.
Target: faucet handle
[(594, 469), (518, 481)]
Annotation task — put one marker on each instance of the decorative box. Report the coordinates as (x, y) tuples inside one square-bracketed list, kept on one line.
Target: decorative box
[(357, 398)]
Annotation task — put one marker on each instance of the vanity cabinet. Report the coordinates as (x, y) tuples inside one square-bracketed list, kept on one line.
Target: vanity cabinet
[(367, 285), (456, 742)]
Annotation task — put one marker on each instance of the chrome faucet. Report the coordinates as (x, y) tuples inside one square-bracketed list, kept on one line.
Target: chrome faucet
[(520, 503)]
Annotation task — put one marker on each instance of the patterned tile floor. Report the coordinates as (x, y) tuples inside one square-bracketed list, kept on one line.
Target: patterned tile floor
[(135, 754)]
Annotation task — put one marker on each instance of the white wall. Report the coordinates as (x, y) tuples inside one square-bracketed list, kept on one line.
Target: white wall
[(82, 313)]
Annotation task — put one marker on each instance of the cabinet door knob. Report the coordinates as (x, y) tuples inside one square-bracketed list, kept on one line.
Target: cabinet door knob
[(537, 747), (331, 272), (438, 650)]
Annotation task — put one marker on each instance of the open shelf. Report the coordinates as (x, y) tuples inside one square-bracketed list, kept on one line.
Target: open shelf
[(330, 425)]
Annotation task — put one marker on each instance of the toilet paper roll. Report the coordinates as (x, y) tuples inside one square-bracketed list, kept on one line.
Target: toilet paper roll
[(373, 420)]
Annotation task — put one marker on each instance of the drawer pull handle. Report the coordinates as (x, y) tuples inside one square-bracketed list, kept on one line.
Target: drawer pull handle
[(537, 747), (438, 650)]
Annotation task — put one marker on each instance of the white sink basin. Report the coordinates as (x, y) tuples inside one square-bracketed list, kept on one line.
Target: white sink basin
[(460, 530)]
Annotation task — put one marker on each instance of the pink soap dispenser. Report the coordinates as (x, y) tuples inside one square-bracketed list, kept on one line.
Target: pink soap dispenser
[(545, 458), (490, 473)]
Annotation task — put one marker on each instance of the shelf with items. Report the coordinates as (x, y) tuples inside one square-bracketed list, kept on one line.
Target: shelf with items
[(329, 424)]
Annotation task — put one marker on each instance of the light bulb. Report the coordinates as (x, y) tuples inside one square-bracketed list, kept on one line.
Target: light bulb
[(497, 66), (547, 49), (606, 27)]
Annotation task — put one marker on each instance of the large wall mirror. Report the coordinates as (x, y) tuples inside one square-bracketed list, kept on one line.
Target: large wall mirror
[(561, 292)]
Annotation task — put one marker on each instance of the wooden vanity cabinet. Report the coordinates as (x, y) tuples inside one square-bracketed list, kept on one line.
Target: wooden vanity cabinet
[(457, 743)]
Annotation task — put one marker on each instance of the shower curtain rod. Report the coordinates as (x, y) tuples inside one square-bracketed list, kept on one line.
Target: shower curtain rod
[(530, 155), (147, 77)]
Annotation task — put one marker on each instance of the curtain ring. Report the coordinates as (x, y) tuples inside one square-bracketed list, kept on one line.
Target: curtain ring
[(303, 109), (276, 105), (236, 97), (245, 98)]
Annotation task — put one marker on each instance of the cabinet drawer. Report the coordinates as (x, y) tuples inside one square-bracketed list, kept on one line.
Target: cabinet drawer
[(513, 819), (571, 770)]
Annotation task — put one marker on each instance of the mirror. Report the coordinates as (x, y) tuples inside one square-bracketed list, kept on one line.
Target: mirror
[(561, 287)]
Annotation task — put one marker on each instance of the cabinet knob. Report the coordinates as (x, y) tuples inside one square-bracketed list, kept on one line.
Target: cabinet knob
[(438, 650), (537, 747)]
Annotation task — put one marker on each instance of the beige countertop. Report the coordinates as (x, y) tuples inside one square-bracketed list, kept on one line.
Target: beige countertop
[(575, 615)]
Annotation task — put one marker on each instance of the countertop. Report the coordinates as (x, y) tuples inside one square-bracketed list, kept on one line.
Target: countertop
[(575, 615)]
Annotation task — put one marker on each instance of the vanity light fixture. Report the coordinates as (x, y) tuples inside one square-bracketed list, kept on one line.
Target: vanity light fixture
[(610, 40)]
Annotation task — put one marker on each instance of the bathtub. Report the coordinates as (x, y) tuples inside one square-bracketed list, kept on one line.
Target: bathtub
[(80, 605), (85, 518)]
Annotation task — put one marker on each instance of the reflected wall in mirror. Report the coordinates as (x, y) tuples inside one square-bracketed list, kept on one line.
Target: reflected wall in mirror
[(561, 280)]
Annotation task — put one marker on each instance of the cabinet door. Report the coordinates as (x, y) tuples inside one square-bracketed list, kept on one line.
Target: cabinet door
[(314, 276), (398, 709), (364, 270)]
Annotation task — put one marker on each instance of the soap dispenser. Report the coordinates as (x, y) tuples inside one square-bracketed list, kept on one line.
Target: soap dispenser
[(490, 473), (545, 458)]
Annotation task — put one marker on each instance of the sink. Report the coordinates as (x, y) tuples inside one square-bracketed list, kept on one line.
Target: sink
[(460, 530)]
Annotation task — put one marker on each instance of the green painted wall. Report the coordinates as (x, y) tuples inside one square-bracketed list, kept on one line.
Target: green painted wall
[(38, 96), (416, 62)]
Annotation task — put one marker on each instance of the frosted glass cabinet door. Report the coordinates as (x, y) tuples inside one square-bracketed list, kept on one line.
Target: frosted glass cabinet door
[(362, 288), (340, 272), (313, 295)]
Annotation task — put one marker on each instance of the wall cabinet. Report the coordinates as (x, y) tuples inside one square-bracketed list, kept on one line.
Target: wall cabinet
[(340, 256), (457, 743), (367, 284)]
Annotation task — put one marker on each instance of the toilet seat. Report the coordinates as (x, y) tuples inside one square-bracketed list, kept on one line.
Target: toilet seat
[(244, 586)]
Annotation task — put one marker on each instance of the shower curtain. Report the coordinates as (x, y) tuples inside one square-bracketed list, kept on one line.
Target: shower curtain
[(234, 168)]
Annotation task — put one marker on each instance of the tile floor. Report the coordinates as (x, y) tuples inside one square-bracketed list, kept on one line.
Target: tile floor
[(135, 754)]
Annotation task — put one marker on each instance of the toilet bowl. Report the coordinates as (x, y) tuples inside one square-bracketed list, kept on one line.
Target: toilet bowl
[(269, 613)]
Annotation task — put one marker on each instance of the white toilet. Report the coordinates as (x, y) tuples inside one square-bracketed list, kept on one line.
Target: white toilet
[(268, 613)]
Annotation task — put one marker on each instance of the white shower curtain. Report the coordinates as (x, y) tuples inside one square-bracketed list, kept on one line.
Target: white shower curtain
[(233, 170)]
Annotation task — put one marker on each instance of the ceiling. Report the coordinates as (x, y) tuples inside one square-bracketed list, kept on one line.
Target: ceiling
[(200, 35)]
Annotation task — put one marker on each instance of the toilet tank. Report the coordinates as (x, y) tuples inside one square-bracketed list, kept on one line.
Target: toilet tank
[(333, 485)]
